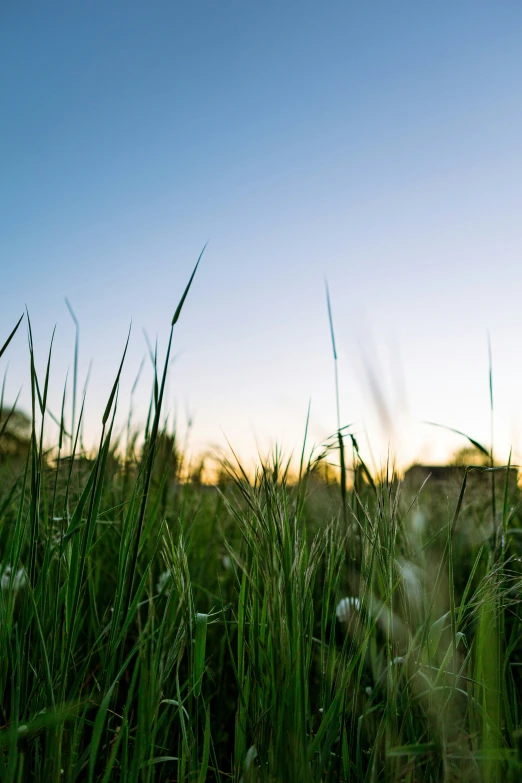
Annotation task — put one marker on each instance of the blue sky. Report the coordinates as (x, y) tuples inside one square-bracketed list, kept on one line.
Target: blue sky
[(378, 144)]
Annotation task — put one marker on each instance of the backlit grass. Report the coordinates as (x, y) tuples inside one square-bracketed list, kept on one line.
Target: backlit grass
[(267, 629)]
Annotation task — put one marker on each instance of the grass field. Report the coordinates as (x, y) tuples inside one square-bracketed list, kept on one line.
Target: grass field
[(270, 628)]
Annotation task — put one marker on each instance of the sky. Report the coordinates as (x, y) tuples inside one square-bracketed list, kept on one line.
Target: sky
[(376, 145)]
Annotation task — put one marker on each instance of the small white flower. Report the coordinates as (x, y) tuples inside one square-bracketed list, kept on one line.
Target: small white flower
[(346, 608), (6, 577), (8, 580), (227, 562), (412, 579), (19, 579), (162, 581), (418, 523)]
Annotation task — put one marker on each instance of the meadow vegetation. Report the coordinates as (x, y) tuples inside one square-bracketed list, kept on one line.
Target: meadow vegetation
[(327, 626)]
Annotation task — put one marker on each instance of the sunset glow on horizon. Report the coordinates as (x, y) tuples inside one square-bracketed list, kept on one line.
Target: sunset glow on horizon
[(379, 150)]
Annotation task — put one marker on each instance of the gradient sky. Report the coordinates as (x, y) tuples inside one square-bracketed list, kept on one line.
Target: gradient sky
[(378, 144)]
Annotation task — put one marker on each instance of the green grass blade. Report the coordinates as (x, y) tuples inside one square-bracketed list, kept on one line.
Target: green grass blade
[(4, 346)]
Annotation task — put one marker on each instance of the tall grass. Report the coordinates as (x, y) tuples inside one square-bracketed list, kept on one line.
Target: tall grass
[(266, 629)]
